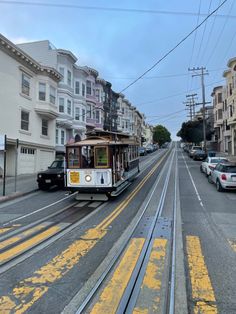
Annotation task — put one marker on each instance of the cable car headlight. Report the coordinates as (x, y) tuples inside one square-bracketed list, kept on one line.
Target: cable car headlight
[(88, 178)]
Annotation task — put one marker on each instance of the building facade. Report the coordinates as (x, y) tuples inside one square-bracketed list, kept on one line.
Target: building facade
[(28, 110)]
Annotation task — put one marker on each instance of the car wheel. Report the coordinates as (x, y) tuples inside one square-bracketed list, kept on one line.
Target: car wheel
[(209, 179), (219, 186)]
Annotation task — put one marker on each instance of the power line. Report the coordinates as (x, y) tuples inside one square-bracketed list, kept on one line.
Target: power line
[(204, 30), (109, 9), (166, 115), (177, 45), (178, 94), (210, 33), (220, 35)]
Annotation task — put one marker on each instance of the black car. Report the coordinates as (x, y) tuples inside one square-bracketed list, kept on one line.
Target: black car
[(54, 175), (142, 151), (199, 155)]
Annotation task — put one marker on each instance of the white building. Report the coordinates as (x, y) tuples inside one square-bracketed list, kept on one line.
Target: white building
[(28, 104), (72, 90)]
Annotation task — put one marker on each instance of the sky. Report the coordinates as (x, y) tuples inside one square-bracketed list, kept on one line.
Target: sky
[(121, 40)]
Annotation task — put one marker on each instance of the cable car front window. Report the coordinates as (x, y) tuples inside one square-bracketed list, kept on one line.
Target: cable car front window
[(73, 157), (101, 157)]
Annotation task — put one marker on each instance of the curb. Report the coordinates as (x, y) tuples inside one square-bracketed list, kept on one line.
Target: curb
[(15, 195)]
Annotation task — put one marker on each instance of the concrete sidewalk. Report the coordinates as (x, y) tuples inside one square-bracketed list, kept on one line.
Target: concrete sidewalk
[(25, 184)]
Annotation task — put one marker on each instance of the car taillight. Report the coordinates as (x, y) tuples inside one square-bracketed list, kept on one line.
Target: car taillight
[(223, 177)]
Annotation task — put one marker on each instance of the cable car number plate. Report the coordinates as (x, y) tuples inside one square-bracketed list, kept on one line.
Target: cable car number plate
[(74, 177)]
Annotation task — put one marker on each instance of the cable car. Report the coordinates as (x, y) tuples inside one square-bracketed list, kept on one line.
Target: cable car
[(100, 167)]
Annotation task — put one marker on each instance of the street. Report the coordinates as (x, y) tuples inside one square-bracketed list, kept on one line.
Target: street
[(165, 245)]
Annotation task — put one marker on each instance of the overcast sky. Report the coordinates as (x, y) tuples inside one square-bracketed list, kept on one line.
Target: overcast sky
[(122, 44)]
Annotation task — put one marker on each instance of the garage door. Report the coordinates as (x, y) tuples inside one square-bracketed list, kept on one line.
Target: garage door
[(45, 159), (27, 160)]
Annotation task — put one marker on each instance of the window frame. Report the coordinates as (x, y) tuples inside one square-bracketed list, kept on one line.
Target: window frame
[(25, 88), (95, 157), (52, 95), (24, 120), (44, 127)]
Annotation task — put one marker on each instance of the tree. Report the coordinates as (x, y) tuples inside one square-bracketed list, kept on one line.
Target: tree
[(192, 131), (161, 135)]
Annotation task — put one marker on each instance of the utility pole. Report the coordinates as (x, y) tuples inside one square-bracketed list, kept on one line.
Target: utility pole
[(202, 72), (189, 107), (192, 98)]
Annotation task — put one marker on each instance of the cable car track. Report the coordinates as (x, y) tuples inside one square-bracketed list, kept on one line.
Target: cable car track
[(129, 298)]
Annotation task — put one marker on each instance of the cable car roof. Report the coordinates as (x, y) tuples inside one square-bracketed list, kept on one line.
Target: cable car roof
[(100, 141)]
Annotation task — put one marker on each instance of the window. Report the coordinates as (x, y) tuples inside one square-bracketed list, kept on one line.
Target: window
[(25, 120), (25, 150), (83, 89), (220, 114), (97, 95), (25, 84), (62, 72), (77, 113), (77, 88), (123, 110), (101, 157), (83, 115), (97, 116), (44, 127), (62, 137), (73, 157), (69, 106), (42, 91), (52, 95), (69, 78), (89, 111), (88, 88), (57, 136), (219, 100), (61, 104)]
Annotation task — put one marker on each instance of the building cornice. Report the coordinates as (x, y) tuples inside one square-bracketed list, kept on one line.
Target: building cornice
[(15, 52), (67, 53), (231, 61), (228, 71), (91, 71)]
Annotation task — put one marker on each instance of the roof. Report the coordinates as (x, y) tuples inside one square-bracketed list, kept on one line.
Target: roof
[(100, 141)]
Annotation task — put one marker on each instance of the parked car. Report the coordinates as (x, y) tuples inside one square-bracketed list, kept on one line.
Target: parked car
[(187, 148), (54, 175), (193, 149), (142, 151), (149, 148), (209, 164), (199, 155), (224, 176)]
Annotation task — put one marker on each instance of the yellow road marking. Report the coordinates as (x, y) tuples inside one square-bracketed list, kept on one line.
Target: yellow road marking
[(202, 291), (28, 244), (29, 290), (149, 297), (19, 237), (111, 295), (3, 230)]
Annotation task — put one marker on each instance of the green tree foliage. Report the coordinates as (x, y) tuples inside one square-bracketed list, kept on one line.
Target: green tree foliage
[(161, 135), (192, 131)]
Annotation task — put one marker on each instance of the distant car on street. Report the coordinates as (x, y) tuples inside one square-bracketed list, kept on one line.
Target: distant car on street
[(209, 164), (193, 149), (142, 151), (149, 148), (199, 155), (224, 176), (54, 175)]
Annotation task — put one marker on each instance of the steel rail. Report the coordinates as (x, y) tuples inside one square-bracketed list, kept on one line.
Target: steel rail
[(171, 309), (103, 276), (127, 305)]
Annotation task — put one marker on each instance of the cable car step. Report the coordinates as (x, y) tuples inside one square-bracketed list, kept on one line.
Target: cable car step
[(91, 197)]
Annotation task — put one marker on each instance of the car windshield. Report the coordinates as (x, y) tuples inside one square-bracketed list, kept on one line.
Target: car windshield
[(229, 169), (57, 164), (197, 148), (217, 160)]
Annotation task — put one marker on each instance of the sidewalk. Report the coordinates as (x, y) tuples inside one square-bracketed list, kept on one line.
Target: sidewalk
[(25, 184)]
